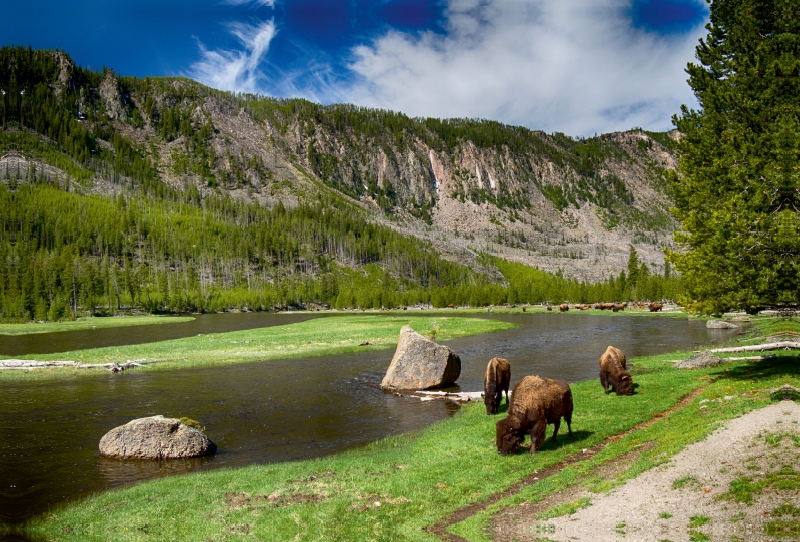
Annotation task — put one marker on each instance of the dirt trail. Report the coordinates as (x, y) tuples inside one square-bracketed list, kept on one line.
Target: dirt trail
[(689, 498)]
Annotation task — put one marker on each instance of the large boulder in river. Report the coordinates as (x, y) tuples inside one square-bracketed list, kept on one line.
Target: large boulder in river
[(719, 324), (155, 437), (420, 363)]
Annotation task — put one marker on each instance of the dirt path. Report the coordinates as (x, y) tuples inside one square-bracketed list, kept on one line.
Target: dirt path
[(691, 498)]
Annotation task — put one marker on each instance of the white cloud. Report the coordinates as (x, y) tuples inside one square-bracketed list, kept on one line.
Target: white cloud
[(578, 67), (258, 3), (236, 70)]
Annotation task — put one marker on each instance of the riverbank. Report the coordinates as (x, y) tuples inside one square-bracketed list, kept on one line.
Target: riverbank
[(396, 488), (319, 337), (90, 323)]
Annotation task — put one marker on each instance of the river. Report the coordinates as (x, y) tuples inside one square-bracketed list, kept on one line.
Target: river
[(268, 411)]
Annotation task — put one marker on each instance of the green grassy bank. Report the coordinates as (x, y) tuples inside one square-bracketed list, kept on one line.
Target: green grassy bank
[(90, 323), (318, 337), (422, 477)]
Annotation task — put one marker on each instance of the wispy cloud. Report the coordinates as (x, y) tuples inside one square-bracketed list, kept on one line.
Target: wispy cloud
[(236, 70), (265, 3), (579, 67)]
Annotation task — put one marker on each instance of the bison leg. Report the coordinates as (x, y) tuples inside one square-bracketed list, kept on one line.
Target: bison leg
[(556, 425), (604, 381), (568, 419), (498, 398)]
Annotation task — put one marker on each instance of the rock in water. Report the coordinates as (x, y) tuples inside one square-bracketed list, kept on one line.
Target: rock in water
[(719, 324), (156, 437), (419, 364)]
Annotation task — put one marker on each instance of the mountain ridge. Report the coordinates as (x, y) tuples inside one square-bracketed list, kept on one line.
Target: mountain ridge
[(470, 189)]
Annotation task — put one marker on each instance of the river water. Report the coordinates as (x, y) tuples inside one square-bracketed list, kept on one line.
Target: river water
[(270, 411)]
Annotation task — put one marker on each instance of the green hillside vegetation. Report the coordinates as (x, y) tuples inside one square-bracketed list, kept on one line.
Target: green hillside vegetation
[(69, 248)]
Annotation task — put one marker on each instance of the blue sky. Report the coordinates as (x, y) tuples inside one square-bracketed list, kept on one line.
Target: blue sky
[(576, 66)]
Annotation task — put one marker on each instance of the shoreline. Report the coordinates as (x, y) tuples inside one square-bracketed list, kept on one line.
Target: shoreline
[(408, 483), (312, 338)]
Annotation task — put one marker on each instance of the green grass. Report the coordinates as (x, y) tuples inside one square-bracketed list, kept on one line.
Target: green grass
[(318, 337), (90, 323), (421, 477)]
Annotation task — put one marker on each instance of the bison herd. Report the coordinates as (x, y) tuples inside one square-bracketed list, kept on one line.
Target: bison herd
[(537, 401), (614, 307)]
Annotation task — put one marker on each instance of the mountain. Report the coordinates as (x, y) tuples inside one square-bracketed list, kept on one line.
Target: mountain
[(339, 188)]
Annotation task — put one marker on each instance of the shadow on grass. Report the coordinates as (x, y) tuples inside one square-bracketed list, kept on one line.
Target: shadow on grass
[(782, 366), (562, 440)]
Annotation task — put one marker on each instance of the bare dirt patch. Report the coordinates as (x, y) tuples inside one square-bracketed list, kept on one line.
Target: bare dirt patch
[(740, 483)]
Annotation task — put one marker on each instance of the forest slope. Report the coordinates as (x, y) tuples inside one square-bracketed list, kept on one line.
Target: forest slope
[(201, 191)]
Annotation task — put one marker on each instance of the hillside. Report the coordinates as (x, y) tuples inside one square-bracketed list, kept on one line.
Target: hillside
[(340, 189)]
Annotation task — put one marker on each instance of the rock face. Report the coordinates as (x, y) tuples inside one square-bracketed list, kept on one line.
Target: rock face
[(419, 364), (155, 437), (700, 360), (719, 324)]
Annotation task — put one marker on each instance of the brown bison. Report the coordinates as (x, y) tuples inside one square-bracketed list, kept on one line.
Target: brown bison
[(495, 381), (613, 375), (655, 307), (618, 307), (563, 307), (549, 308), (535, 402)]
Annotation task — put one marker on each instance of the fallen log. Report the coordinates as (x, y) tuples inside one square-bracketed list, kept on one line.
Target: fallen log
[(781, 345), (27, 364)]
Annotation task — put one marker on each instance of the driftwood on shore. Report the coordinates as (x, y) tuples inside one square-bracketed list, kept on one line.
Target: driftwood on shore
[(28, 365), (781, 345)]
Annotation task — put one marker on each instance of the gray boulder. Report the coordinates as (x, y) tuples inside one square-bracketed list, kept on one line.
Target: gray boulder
[(420, 363), (719, 324), (700, 360), (155, 437)]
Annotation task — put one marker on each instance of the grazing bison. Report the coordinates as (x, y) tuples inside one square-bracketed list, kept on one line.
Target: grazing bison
[(535, 402), (563, 307), (618, 307), (549, 308), (655, 307), (613, 375), (495, 381)]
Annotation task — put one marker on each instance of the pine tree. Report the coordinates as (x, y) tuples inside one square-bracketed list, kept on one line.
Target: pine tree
[(738, 191)]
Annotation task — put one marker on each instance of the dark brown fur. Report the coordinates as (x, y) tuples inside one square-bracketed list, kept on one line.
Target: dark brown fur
[(655, 307), (613, 375), (495, 381), (563, 307), (535, 402)]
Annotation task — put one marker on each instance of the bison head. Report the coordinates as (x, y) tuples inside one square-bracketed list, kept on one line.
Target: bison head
[(509, 436), (489, 399), (625, 385)]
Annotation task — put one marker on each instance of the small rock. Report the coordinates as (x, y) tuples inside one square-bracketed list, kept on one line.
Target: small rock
[(703, 407), (704, 401), (729, 397), (700, 360), (719, 324)]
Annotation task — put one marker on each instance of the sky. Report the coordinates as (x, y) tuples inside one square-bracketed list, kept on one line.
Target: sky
[(574, 66)]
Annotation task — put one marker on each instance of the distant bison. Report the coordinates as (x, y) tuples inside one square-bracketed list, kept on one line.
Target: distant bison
[(618, 307), (549, 308), (535, 402), (563, 307), (613, 373), (495, 381), (655, 307)]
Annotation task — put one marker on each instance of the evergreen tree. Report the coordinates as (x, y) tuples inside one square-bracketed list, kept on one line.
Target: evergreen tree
[(738, 192), (633, 267)]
